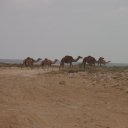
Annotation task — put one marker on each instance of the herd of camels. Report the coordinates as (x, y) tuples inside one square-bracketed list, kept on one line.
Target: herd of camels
[(29, 62)]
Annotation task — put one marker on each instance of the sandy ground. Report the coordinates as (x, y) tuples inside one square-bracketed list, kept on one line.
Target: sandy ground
[(36, 99)]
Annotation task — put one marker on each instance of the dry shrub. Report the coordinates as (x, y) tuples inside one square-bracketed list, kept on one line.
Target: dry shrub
[(62, 83)]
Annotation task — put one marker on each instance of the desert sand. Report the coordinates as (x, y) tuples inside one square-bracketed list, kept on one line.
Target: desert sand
[(42, 99)]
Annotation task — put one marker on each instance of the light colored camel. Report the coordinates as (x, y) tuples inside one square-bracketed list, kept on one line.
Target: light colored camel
[(48, 63), (69, 60), (29, 62), (102, 61)]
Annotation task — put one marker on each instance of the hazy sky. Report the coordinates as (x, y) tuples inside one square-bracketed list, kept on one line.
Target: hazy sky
[(55, 28)]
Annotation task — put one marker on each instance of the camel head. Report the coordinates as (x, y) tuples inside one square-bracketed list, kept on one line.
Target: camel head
[(80, 57), (56, 60), (75, 60), (108, 61), (101, 58), (38, 59)]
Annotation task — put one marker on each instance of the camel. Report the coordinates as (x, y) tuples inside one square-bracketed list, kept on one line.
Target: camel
[(28, 62), (69, 59), (102, 61), (90, 60), (48, 63)]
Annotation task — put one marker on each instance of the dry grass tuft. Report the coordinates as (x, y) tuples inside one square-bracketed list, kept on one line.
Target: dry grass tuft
[(62, 83)]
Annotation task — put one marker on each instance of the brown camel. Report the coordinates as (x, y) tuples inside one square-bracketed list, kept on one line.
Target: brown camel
[(48, 63), (69, 59), (90, 60), (102, 61), (28, 62)]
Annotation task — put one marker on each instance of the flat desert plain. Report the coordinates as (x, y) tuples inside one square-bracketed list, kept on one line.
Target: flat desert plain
[(42, 99)]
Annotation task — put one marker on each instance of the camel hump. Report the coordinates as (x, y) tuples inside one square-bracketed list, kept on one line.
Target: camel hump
[(28, 58), (46, 59), (67, 56)]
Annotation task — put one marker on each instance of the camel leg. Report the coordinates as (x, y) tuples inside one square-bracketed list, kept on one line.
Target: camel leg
[(71, 65), (21, 66), (31, 67), (61, 66), (52, 68), (84, 65)]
